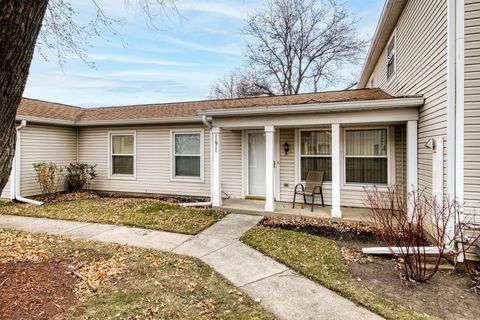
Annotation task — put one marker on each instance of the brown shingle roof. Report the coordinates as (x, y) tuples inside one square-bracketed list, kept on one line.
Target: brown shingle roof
[(44, 109), (49, 110)]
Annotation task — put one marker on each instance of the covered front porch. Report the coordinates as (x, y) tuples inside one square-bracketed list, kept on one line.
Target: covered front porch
[(259, 154), (257, 207)]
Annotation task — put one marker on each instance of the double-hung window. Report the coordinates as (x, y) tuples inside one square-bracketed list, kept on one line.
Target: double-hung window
[(391, 52), (316, 153), (122, 154), (366, 156), (187, 154)]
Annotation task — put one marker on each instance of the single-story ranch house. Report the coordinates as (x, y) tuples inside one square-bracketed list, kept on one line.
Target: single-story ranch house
[(413, 121), (230, 147)]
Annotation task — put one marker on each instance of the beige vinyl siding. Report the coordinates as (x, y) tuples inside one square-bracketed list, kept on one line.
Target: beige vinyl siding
[(153, 161), (472, 107), (5, 194), (44, 143), (421, 68), (231, 163), (287, 164), (400, 155)]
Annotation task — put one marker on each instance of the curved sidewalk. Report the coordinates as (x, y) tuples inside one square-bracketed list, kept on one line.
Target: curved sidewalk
[(280, 290)]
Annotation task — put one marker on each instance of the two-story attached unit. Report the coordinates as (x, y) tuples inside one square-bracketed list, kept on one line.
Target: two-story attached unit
[(432, 48)]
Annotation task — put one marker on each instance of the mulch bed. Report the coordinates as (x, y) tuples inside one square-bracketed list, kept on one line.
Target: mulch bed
[(348, 234), (35, 290), (86, 194), (65, 196), (448, 295)]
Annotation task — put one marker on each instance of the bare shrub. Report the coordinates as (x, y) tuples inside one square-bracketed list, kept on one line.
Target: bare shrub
[(420, 238), (48, 176)]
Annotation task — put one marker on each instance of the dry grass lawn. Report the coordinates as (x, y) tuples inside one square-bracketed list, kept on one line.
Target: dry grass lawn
[(144, 213), (132, 283)]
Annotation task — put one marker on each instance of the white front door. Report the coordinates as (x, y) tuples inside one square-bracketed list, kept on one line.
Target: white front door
[(256, 163)]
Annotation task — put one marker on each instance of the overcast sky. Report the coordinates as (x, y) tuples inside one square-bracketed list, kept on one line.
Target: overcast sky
[(178, 61)]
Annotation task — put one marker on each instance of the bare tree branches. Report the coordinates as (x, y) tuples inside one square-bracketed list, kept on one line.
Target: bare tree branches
[(407, 235), (300, 45), (48, 25), (237, 84), (65, 37)]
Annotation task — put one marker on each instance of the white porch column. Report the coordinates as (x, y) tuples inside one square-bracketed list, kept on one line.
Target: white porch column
[(216, 168), (336, 211), (412, 160), (270, 169)]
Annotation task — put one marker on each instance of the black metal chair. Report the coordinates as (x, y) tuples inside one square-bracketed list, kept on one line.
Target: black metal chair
[(313, 186)]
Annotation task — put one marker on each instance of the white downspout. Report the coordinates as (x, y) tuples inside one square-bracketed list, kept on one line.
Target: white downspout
[(459, 110), (207, 122), (459, 100), (455, 104), (17, 171)]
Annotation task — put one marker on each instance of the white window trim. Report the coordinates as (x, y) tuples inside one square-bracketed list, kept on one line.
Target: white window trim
[(111, 175), (393, 38), (298, 156), (173, 132), (390, 159), (245, 181), (245, 173)]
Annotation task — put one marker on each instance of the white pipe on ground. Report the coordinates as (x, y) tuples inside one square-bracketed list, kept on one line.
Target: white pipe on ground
[(16, 169), (196, 204), (399, 250)]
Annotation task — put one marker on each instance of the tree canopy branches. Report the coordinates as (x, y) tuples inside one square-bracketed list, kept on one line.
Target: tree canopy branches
[(297, 45), (63, 36)]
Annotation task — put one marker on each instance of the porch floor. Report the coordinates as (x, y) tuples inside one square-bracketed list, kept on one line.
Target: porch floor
[(250, 206)]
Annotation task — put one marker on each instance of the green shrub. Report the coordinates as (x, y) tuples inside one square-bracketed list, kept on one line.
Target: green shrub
[(79, 176)]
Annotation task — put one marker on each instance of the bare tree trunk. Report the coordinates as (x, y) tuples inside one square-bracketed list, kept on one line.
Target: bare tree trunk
[(20, 23)]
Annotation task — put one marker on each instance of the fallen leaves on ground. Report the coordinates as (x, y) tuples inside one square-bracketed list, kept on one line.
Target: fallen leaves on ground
[(138, 212), (24, 247), (354, 255), (67, 196), (475, 277), (98, 273), (299, 221), (17, 247), (133, 283)]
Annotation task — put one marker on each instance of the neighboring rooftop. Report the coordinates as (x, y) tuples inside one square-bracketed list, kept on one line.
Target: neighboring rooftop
[(49, 110)]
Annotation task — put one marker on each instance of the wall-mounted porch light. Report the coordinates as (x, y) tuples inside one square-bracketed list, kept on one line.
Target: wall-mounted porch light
[(286, 148), (430, 144)]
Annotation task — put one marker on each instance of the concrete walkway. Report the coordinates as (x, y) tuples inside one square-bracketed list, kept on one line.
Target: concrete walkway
[(280, 290)]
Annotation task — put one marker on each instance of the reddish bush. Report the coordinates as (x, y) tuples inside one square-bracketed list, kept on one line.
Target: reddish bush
[(406, 222)]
